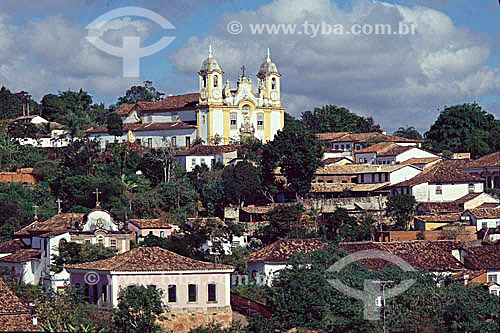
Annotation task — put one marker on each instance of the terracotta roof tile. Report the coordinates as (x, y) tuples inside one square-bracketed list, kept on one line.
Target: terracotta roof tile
[(330, 136), (485, 213), (489, 205), (207, 150), (151, 223), (440, 173), (14, 315), (140, 127), (353, 169), (11, 246), (421, 160), (148, 259), (59, 222), (438, 207), (124, 110), (483, 257), (22, 255), (421, 254), (440, 218), (491, 160), (379, 148), (284, 249), (361, 137), (171, 103), (340, 187)]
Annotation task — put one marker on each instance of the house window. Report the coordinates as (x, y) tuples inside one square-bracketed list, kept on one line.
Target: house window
[(138, 141), (172, 293), (336, 147), (192, 293), (150, 142), (260, 121), (484, 225), (348, 146), (86, 292), (202, 160), (173, 141), (471, 188), (113, 243), (439, 189), (341, 147), (87, 241), (492, 278), (361, 178), (233, 120), (162, 234), (105, 293), (94, 294), (188, 141), (212, 292), (193, 161)]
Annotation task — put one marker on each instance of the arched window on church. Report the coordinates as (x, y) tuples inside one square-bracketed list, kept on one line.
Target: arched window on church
[(204, 81), (216, 80), (273, 83), (100, 240), (260, 121)]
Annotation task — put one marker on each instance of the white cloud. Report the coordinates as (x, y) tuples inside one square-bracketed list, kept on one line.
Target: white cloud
[(398, 79)]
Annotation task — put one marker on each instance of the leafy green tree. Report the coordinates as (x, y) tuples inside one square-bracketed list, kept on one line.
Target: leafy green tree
[(138, 309), (8, 150), (284, 222), (10, 105), (74, 253), (332, 118), (464, 128), (297, 152), (22, 129), (400, 208), (144, 93), (46, 170), (241, 183), (341, 226), (114, 124), (408, 132)]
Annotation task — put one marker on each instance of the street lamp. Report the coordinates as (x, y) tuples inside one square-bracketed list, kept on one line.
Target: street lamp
[(383, 283)]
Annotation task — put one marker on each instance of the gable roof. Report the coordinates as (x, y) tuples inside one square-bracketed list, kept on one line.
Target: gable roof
[(151, 223), (22, 255), (283, 249), (59, 222), (483, 257), (353, 169), (490, 160), (200, 150), (334, 160), (14, 315), (385, 149), (125, 110), (150, 259), (421, 254), (440, 173), (171, 103), (439, 218), (421, 160), (11, 246), (361, 137), (485, 213)]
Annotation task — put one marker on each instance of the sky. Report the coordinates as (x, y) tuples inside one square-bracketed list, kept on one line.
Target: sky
[(398, 79)]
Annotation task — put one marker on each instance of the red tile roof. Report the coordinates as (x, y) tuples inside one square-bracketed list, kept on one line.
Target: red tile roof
[(334, 160), (11, 246), (153, 126), (14, 315), (483, 257), (437, 207), (125, 110), (440, 173), (330, 136), (491, 160), (206, 150), (59, 222), (284, 249), (171, 103), (489, 205), (151, 223), (361, 137), (440, 218), (422, 254), (22, 255), (149, 259), (485, 213), (421, 160)]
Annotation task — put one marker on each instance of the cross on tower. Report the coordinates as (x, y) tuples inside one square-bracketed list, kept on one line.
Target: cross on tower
[(243, 70), (36, 211), (59, 211), (97, 203)]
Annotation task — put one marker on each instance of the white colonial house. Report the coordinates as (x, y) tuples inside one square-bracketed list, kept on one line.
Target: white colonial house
[(265, 264), (216, 114), (365, 173), (390, 153), (482, 218), (55, 137), (208, 155), (30, 255), (485, 258), (440, 183), (486, 167)]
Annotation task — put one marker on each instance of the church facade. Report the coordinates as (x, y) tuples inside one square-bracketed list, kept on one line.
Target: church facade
[(216, 114)]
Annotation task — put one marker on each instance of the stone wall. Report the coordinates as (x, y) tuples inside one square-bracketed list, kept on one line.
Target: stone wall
[(184, 321)]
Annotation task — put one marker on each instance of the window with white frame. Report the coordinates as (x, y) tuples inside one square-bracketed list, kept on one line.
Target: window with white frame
[(232, 117), (439, 189), (492, 278), (113, 243), (172, 293), (260, 121), (471, 188), (212, 292)]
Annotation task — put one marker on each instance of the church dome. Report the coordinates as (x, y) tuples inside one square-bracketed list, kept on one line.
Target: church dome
[(268, 66), (210, 63)]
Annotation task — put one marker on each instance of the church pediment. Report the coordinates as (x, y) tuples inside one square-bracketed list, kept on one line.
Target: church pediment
[(97, 219)]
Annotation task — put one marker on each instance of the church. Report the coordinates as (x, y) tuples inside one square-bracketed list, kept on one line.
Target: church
[(217, 114)]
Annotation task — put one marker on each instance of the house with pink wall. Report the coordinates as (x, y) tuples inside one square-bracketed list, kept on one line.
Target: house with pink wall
[(195, 292), (157, 227)]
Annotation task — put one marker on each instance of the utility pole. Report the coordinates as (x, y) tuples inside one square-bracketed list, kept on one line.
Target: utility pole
[(383, 283)]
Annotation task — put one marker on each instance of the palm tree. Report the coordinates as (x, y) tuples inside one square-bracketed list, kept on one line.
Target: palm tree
[(129, 186), (409, 132)]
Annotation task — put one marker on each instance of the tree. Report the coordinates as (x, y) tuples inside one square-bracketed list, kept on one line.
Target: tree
[(341, 226), (138, 309), (22, 129), (400, 208), (464, 128), (241, 183), (74, 253), (298, 153), (284, 222), (114, 124), (145, 93), (10, 105), (332, 118), (408, 132)]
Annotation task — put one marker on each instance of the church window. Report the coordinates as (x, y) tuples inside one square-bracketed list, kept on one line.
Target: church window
[(100, 240), (260, 121), (233, 120), (273, 83), (113, 243), (245, 109), (204, 119), (216, 81), (204, 81)]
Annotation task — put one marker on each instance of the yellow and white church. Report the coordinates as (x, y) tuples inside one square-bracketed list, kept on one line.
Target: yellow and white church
[(217, 114)]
